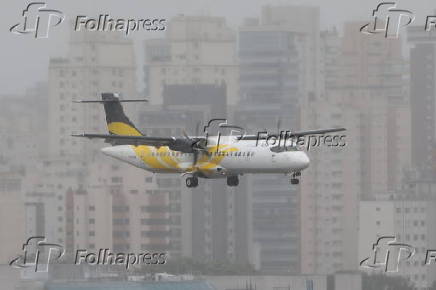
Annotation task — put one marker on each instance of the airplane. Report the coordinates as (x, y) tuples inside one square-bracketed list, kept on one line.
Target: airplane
[(197, 157)]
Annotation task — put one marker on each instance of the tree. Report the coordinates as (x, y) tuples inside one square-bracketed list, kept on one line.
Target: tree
[(187, 265), (384, 282)]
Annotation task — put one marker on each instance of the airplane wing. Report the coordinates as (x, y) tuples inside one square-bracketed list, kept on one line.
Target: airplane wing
[(296, 134), (130, 140), (317, 132), (185, 144)]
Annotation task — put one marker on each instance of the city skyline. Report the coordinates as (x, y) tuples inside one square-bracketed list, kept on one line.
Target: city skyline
[(36, 68), (277, 70)]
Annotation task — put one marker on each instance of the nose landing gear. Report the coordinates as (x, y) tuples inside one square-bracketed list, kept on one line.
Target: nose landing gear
[(295, 178)]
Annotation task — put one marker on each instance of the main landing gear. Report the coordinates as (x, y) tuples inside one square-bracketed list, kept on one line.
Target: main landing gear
[(295, 177), (192, 181), (233, 180)]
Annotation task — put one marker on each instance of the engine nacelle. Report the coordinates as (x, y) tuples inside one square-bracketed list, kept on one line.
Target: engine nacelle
[(183, 145)]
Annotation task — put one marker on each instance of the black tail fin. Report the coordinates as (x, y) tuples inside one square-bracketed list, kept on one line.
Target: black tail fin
[(117, 122)]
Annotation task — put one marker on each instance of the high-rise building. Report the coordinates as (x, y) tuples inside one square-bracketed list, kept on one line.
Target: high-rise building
[(408, 216), (279, 55), (20, 118), (97, 62), (195, 50), (273, 203), (365, 91), (305, 22), (12, 213), (330, 190), (45, 189), (279, 70), (422, 98), (373, 78)]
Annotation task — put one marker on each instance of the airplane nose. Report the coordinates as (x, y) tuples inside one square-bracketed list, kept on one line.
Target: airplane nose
[(303, 160)]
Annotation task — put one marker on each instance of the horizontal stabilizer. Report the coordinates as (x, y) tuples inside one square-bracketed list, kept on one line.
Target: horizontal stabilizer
[(110, 101), (129, 140), (317, 132)]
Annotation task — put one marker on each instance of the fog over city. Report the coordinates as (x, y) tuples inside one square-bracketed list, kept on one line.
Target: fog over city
[(113, 173), (24, 61)]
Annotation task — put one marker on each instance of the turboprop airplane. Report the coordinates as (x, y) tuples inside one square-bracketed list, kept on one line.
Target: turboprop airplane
[(198, 156)]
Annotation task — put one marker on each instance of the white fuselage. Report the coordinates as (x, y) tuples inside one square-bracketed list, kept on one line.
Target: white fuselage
[(225, 159)]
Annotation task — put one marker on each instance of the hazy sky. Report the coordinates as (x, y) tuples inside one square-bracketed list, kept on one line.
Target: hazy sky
[(24, 60)]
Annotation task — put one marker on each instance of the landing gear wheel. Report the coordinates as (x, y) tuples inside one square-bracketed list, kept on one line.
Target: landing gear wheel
[(295, 181), (192, 181), (233, 181), (294, 177)]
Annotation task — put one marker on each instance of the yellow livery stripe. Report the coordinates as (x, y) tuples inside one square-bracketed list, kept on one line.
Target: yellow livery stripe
[(143, 152), (119, 128)]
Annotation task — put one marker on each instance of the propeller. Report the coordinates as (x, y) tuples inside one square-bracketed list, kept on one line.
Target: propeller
[(280, 147), (196, 144), (279, 125)]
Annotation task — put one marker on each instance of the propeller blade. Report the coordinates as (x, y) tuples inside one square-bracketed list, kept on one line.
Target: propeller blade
[(279, 125), (194, 163), (185, 134), (197, 128)]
